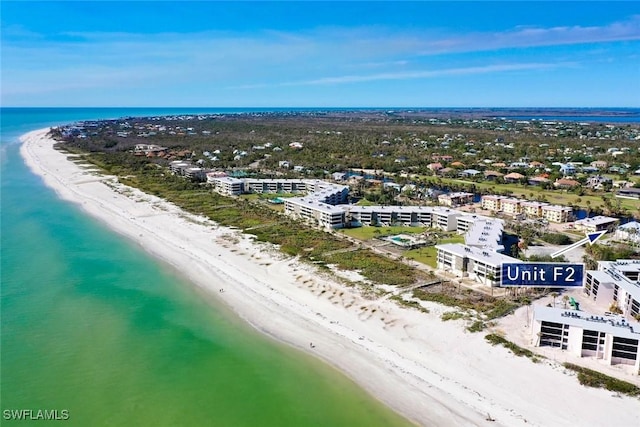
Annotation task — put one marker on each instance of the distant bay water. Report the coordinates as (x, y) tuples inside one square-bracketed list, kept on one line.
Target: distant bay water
[(92, 325), (632, 118)]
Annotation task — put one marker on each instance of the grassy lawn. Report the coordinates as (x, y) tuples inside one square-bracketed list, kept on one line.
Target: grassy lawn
[(456, 238), (368, 233), (365, 202), (427, 254)]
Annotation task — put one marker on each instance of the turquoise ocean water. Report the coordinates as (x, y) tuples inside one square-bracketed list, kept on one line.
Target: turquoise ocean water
[(93, 325)]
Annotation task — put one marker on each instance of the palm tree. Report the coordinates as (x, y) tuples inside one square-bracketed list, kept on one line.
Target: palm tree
[(565, 299), (554, 295), (491, 277)]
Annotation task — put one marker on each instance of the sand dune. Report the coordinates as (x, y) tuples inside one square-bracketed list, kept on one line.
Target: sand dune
[(435, 373)]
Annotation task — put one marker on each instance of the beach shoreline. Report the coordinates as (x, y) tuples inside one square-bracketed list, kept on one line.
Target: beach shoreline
[(432, 372)]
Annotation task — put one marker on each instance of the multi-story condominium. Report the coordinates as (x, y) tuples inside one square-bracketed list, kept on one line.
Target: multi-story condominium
[(629, 232), (319, 206), (492, 202), (178, 167), (315, 212), (597, 223), (384, 215), (557, 213), (511, 206), (480, 264), (435, 217), (255, 185), (196, 174), (333, 195), (325, 205), (615, 283), (319, 190), (485, 233), (464, 222), (532, 208), (612, 339), (227, 185), (455, 199), (445, 219)]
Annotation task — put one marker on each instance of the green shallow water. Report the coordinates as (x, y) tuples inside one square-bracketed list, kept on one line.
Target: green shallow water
[(93, 325)]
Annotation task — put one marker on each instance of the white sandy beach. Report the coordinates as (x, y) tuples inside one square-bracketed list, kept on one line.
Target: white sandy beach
[(433, 372)]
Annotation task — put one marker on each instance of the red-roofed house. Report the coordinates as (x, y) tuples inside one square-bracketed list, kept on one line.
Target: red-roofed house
[(513, 177), (492, 175), (565, 183), (538, 180)]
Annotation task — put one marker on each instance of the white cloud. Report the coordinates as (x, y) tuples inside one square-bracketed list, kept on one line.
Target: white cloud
[(554, 36), (217, 60), (423, 74)]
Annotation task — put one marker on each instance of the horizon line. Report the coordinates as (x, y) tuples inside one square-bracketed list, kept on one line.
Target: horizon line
[(335, 107)]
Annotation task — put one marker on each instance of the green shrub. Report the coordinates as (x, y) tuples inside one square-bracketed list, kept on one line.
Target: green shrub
[(500, 308), (496, 339), (374, 267), (556, 238), (477, 326), (591, 378), (412, 304), (452, 315)]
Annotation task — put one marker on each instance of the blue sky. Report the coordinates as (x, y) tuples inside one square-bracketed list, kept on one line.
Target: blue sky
[(320, 54)]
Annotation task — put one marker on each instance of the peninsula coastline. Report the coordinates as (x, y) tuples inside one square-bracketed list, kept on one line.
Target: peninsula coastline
[(433, 372)]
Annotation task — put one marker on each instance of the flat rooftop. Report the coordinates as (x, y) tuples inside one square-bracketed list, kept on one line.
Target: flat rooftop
[(483, 255), (596, 220), (614, 325), (315, 204)]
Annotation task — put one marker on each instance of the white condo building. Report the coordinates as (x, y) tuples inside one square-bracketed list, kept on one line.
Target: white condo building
[(223, 184), (597, 223), (226, 185), (480, 264), (315, 212), (482, 232), (612, 339), (615, 283), (325, 205), (629, 232), (427, 216)]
